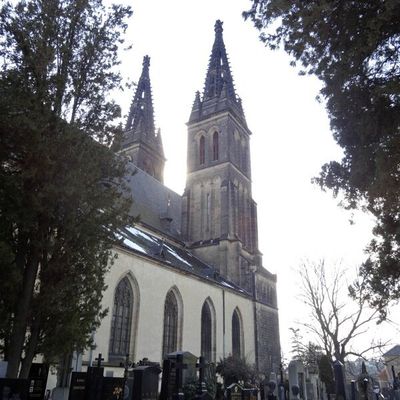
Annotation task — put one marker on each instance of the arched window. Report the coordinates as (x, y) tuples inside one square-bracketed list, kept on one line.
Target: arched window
[(202, 154), (121, 320), (236, 335), (206, 332), (215, 146), (170, 336)]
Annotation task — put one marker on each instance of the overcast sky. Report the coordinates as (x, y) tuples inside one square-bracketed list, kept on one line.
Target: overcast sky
[(291, 137)]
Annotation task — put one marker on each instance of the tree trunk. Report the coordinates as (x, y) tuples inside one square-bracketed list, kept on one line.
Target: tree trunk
[(18, 332), (30, 350)]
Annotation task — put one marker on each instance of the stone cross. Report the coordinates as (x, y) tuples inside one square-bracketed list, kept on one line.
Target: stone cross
[(201, 365), (179, 367), (99, 359)]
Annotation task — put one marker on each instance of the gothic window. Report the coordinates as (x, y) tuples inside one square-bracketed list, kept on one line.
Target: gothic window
[(170, 336), (202, 153), (121, 319), (236, 335), (215, 146), (206, 332)]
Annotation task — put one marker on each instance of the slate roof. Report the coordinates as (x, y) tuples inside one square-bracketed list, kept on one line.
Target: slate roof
[(393, 352), (175, 256), (158, 206)]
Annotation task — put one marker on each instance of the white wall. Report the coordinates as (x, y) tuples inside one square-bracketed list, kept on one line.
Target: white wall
[(153, 281)]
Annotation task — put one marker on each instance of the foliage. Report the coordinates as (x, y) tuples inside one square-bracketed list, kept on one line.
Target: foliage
[(191, 385), (336, 320), (60, 185), (308, 354), (237, 370), (353, 47), (326, 373)]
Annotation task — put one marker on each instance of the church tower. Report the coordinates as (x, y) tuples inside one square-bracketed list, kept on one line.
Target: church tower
[(219, 215), (141, 143)]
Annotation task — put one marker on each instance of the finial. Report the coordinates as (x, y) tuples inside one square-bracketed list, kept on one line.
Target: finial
[(146, 62), (218, 26)]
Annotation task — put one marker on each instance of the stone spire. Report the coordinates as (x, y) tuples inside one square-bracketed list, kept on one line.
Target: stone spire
[(219, 90), (219, 78), (141, 142)]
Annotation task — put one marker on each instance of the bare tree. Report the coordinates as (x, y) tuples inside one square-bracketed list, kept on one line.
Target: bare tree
[(339, 312)]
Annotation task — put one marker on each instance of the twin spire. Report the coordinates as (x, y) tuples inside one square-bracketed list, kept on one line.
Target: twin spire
[(142, 143), (219, 90)]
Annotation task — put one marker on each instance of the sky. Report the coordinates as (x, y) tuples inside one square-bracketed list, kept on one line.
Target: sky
[(291, 138)]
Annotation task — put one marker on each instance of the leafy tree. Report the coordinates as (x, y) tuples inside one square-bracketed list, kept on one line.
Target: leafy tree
[(234, 369), (353, 47), (326, 373), (60, 185), (336, 320), (308, 354)]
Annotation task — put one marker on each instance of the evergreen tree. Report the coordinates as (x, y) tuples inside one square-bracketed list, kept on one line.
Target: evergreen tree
[(353, 47), (61, 187)]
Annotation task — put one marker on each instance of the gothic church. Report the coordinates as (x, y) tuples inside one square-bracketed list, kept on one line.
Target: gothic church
[(189, 275)]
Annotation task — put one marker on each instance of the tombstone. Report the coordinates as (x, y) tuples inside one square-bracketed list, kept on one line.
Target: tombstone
[(302, 380), (294, 388), (145, 382), (281, 386), (37, 381), (338, 371), (363, 381), (249, 394), (201, 392), (189, 359), (14, 389), (182, 362), (78, 386), (234, 392), (112, 388), (272, 387), (3, 368), (94, 380)]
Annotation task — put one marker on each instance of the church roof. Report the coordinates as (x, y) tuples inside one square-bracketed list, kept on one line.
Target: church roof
[(393, 352), (157, 206), (175, 256)]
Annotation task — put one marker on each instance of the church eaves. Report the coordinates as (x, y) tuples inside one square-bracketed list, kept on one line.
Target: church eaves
[(219, 90)]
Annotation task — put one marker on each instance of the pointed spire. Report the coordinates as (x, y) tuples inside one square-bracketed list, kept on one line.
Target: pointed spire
[(218, 73), (141, 114)]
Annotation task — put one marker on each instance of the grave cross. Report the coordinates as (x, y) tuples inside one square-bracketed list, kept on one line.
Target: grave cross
[(395, 380), (179, 367), (201, 365), (99, 359)]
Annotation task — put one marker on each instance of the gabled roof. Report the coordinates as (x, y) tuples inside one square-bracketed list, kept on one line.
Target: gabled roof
[(393, 352), (144, 243)]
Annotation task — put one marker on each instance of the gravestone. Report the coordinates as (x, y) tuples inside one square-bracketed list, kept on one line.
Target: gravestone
[(3, 368), (78, 386), (294, 389), (112, 388), (94, 380), (14, 389), (249, 394), (145, 382), (201, 392), (185, 363), (338, 371), (189, 359), (37, 381), (234, 392)]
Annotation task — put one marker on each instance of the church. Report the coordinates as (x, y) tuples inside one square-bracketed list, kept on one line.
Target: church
[(189, 275)]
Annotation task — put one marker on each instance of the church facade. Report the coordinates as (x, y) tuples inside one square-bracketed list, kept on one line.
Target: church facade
[(189, 275)]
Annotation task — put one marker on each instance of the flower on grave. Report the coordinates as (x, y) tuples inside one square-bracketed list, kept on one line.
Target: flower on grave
[(117, 392)]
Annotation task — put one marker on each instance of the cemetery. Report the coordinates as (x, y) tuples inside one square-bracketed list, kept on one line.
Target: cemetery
[(183, 376)]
